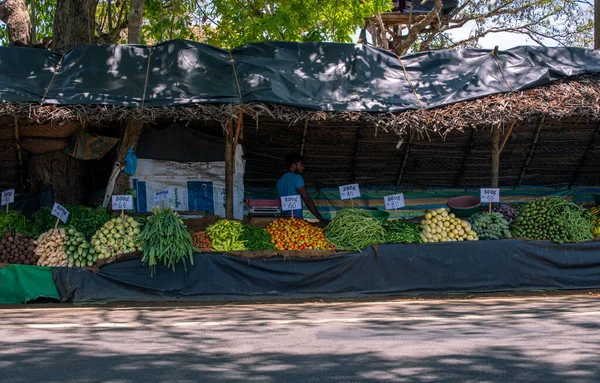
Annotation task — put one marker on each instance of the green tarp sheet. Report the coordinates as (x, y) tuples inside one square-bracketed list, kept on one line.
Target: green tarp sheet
[(22, 283)]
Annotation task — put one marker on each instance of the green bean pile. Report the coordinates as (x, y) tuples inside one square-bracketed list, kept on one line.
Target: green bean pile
[(165, 240), (402, 231), (257, 239), (354, 229)]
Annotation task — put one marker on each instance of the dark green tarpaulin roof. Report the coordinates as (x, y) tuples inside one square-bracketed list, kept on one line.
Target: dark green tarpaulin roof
[(317, 76)]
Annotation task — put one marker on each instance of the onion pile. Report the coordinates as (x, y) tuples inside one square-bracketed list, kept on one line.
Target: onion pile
[(117, 236), (17, 249), (50, 248)]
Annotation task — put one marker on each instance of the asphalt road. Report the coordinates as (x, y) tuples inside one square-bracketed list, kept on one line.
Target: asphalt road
[(489, 340)]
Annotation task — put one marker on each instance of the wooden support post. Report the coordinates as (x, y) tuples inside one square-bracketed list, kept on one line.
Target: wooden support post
[(405, 160), (583, 158), (238, 129), (531, 150), (229, 164), (304, 137), (495, 156), (468, 150), (507, 136), (19, 153)]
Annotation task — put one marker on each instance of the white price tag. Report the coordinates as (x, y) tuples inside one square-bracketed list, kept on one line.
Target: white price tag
[(60, 212), (8, 196), (349, 191), (393, 202), (490, 195), (291, 202), (163, 195), (122, 202)]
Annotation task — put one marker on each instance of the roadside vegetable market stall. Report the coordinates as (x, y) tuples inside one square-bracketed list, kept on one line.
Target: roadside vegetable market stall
[(499, 134)]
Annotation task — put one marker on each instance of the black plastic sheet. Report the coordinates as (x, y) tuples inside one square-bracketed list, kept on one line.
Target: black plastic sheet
[(318, 76), (467, 267)]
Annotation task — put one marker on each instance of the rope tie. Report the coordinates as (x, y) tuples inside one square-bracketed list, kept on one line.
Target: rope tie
[(411, 85), (52, 79), (146, 81)]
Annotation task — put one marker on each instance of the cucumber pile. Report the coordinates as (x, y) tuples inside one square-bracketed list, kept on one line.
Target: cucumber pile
[(79, 252), (555, 219), (490, 225)]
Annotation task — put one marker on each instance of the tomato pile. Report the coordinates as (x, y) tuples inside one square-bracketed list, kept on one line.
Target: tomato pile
[(297, 234), (201, 241)]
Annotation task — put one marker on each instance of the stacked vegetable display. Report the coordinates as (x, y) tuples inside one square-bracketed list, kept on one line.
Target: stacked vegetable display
[(117, 236), (401, 231), (297, 234), (201, 241), (490, 225), (78, 250), (226, 235), (555, 219), (509, 213), (17, 249), (257, 239), (441, 226), (50, 248), (354, 229), (165, 240)]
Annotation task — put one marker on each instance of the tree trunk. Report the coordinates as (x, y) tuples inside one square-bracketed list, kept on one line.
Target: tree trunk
[(134, 32), (14, 14), (74, 24), (60, 170)]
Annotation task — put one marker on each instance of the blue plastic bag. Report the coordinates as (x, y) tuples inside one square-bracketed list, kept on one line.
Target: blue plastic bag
[(130, 162)]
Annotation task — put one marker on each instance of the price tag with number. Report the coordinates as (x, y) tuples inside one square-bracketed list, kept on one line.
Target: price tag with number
[(163, 195), (349, 191), (291, 202), (8, 196), (490, 195), (393, 202), (122, 202), (60, 212)]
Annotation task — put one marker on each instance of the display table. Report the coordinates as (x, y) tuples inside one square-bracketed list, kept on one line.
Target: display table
[(453, 267)]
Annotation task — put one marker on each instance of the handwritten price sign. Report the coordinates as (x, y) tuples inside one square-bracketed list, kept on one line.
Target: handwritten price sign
[(163, 195), (8, 196), (122, 202), (60, 212), (393, 202), (490, 195), (349, 191), (291, 202)]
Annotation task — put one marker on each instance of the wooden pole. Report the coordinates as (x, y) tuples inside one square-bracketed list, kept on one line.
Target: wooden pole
[(405, 160), (531, 150), (229, 160), (304, 137), (495, 156), (597, 25), (19, 153)]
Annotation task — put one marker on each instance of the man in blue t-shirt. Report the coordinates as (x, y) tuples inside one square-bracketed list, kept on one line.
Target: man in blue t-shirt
[(292, 183)]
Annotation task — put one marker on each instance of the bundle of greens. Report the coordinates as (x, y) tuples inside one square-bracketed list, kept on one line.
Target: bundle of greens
[(165, 240), (14, 223)]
